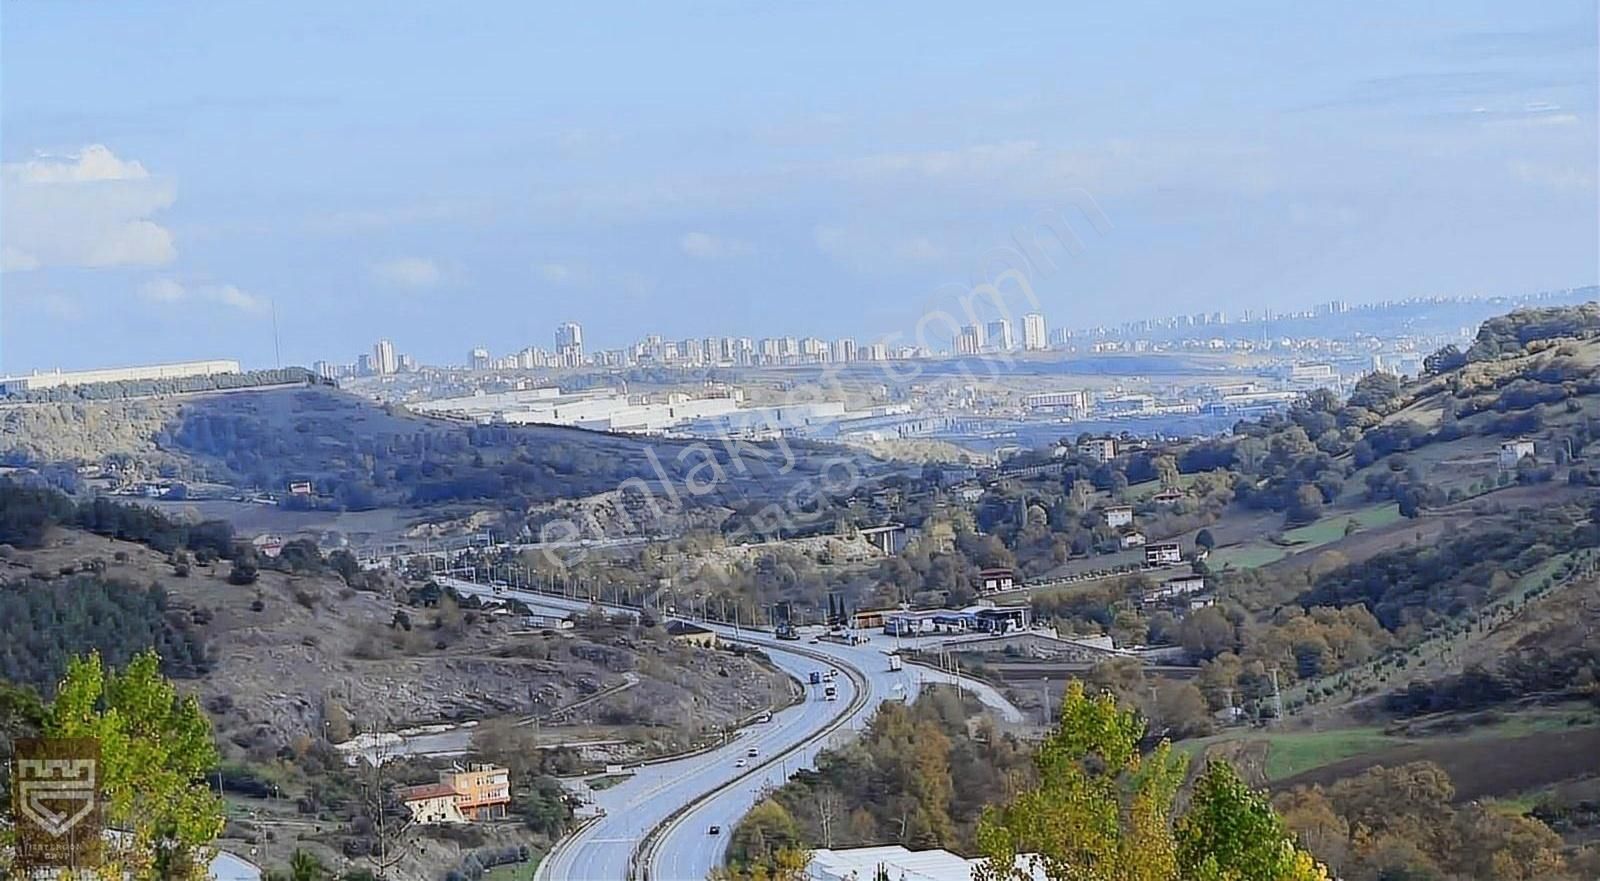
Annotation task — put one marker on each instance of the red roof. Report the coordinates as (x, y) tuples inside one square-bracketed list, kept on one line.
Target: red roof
[(427, 791)]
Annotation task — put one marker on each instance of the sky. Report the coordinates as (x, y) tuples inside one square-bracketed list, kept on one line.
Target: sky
[(454, 175)]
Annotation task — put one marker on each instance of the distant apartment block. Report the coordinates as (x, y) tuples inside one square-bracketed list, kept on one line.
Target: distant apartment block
[(1100, 449), (1034, 335), (1073, 401), (1000, 339), (54, 378), (384, 360)]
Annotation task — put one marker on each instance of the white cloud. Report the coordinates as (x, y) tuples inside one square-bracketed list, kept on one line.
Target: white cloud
[(231, 296), (408, 272), (705, 246), (162, 290), (167, 291), (84, 209)]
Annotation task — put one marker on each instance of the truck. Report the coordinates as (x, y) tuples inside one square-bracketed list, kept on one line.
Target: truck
[(896, 664), (816, 678), (785, 630), (831, 693)]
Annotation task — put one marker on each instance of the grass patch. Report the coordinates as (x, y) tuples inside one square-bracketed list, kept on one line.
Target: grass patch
[(1260, 552), (1245, 556), (515, 871), (1291, 754)]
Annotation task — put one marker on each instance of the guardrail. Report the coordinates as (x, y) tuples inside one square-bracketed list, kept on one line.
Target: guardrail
[(643, 854)]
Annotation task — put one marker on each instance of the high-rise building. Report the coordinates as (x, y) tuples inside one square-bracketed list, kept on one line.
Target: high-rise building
[(408, 364), (325, 369), (384, 361), (478, 359), (970, 341), (569, 344), (844, 350), (1000, 335), (1034, 336), (364, 366)]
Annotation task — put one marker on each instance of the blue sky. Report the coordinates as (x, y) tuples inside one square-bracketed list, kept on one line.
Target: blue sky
[(451, 175)]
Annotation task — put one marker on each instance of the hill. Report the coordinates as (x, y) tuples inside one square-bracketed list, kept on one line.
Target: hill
[(359, 456)]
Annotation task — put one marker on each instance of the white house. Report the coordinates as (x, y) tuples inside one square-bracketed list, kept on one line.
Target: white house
[(1512, 452), (1164, 554), (1118, 516), (1133, 540)]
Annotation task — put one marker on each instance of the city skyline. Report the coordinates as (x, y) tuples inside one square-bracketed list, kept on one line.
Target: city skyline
[(820, 192)]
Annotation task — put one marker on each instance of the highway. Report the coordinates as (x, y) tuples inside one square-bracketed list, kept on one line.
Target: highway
[(711, 785)]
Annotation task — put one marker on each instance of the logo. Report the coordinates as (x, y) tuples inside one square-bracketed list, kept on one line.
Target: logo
[(55, 798)]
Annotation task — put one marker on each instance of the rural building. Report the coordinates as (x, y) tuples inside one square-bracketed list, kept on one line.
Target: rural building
[(890, 538), (476, 792), (1133, 540), (870, 619), (540, 621), (1166, 497), (995, 580), (685, 633), (1118, 516), (1100, 449), (1512, 452), (1183, 585), (432, 803), (300, 488), (973, 619), (482, 791), (267, 545), (1163, 554)]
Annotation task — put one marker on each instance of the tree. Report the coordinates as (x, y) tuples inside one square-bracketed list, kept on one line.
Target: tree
[(304, 866), (155, 750), (1306, 506), (766, 831), (1101, 811), (1204, 539), (1232, 834), (1166, 468)]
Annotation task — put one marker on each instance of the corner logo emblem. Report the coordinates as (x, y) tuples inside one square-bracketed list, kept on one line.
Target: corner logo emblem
[(44, 785), (56, 799)]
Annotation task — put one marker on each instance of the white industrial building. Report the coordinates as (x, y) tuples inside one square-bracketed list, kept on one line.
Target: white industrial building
[(54, 378), (899, 864)]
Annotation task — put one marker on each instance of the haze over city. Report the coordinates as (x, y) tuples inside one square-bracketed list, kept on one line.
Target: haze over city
[(469, 176)]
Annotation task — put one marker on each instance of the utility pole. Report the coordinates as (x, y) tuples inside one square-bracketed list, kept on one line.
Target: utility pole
[(1277, 699)]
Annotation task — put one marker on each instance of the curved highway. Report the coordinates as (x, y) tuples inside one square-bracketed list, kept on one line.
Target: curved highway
[(712, 786)]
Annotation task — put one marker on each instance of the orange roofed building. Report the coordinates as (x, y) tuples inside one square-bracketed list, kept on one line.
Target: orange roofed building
[(478, 792)]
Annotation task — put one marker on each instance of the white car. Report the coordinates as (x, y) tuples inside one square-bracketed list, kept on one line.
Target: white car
[(741, 763)]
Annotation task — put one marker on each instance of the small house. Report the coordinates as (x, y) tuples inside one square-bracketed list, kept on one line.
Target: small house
[(1513, 451), (995, 580), (1118, 516), (1163, 554)]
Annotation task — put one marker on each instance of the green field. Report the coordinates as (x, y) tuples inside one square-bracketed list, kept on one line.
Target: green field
[(1245, 556), (1290, 754), (1261, 552)]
